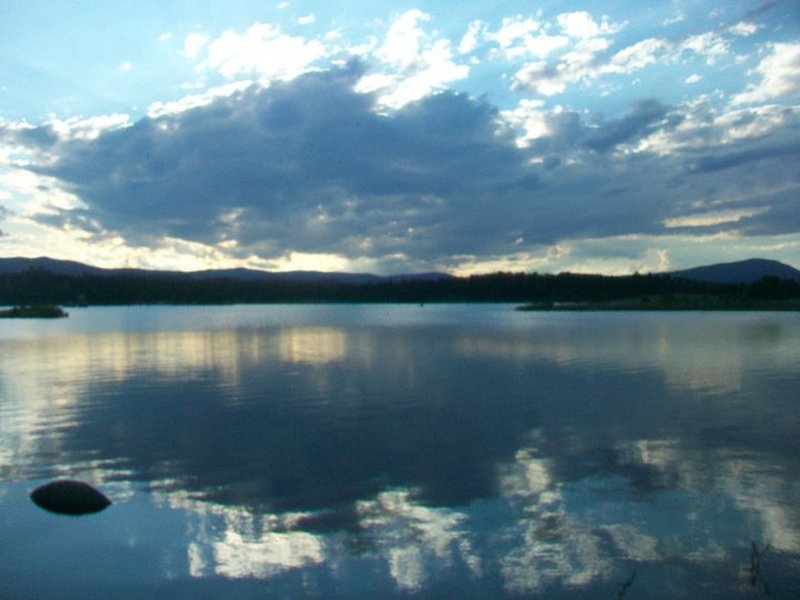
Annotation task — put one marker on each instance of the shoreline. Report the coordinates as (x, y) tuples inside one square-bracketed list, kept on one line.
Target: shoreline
[(669, 303)]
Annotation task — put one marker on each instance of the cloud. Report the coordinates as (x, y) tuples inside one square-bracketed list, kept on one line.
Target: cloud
[(312, 167), (743, 28), (306, 167), (522, 36), (780, 76), (719, 161), (710, 44), (637, 56), (582, 25), (193, 44), (567, 131), (678, 17), (471, 40), (411, 64), (36, 137), (159, 109), (587, 60), (50, 133), (403, 40), (585, 50), (262, 51), (712, 218), (643, 119)]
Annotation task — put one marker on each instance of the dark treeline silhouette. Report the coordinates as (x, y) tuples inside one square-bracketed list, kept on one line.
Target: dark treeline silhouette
[(39, 286)]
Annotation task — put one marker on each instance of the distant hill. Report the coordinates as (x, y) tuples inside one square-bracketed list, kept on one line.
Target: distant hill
[(743, 271), (68, 267), (61, 267), (48, 281)]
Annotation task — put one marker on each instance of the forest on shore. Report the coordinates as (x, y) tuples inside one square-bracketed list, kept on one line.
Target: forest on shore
[(40, 286)]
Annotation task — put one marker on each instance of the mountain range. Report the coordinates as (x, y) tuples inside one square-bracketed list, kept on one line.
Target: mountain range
[(744, 271), (69, 267)]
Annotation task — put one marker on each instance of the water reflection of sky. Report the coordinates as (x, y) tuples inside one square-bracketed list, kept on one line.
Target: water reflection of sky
[(515, 452)]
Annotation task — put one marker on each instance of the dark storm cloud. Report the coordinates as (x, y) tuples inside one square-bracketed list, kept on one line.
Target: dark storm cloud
[(569, 131), (41, 137), (756, 172), (642, 121), (729, 160), (309, 166), (306, 165)]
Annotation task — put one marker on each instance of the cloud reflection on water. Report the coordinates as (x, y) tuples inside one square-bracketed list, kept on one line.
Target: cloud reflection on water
[(548, 456)]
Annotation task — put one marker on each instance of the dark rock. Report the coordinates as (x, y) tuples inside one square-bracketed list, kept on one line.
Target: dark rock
[(69, 497)]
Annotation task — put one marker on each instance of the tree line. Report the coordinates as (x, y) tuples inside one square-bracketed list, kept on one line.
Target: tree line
[(39, 286)]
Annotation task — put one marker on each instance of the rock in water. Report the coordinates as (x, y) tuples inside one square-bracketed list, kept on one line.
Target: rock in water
[(69, 497)]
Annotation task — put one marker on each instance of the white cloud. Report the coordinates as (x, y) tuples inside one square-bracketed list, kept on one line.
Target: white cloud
[(582, 63), (780, 76), (744, 29), (476, 31), (693, 78), (414, 65), (40, 193), (581, 25), (159, 109), (193, 43), (663, 260), (678, 17), (542, 78), (125, 67), (403, 40), (264, 51), (437, 70), (531, 117), (711, 45), (525, 36), (90, 128), (307, 20), (637, 56), (586, 41), (710, 219), (543, 45), (514, 29), (703, 125), (756, 122), (165, 37)]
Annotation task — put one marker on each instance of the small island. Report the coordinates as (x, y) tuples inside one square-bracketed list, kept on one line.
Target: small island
[(34, 311)]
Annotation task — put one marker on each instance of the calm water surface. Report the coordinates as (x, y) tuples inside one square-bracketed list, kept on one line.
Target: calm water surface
[(403, 451)]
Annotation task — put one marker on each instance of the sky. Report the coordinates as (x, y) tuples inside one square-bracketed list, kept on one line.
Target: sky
[(603, 137)]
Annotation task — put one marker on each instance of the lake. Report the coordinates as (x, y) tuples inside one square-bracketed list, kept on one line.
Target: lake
[(393, 451)]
